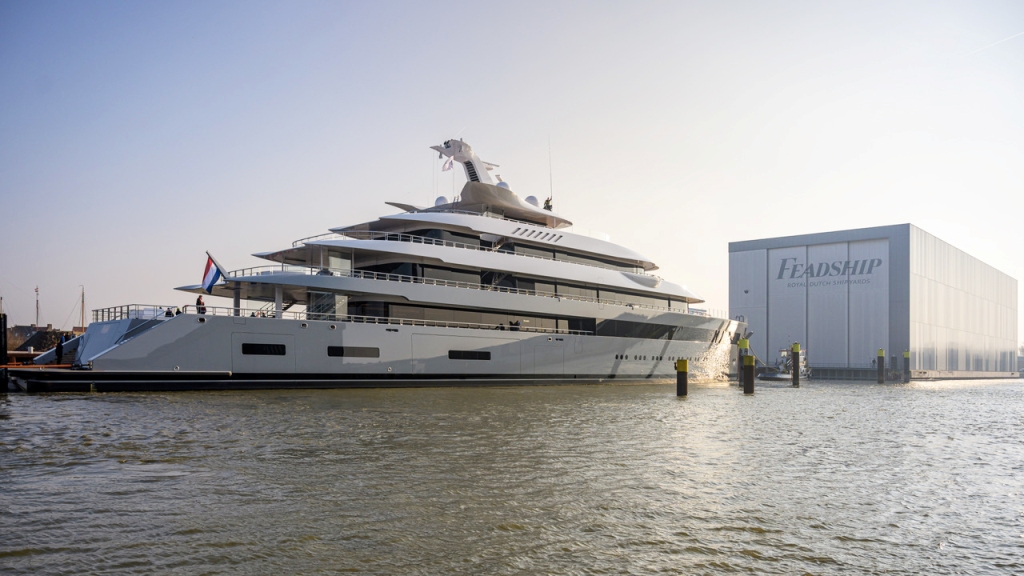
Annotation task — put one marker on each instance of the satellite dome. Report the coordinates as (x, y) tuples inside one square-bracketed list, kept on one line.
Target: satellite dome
[(532, 200), (504, 185), (441, 201)]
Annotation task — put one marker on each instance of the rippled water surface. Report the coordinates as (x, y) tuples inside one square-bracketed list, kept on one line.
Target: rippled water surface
[(829, 478)]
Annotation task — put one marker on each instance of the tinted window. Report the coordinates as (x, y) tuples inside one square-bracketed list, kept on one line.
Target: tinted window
[(468, 355), (625, 329), (264, 349), (353, 352)]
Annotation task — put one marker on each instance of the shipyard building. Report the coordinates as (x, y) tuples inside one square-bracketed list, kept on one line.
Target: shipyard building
[(844, 295)]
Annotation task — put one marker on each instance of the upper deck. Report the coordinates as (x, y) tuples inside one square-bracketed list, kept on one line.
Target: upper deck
[(504, 230)]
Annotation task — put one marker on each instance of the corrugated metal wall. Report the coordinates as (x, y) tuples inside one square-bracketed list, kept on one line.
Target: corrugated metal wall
[(787, 300), (869, 300), (962, 311), (832, 298), (748, 295), (828, 307)]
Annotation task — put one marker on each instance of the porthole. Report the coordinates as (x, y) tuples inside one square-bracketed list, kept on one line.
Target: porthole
[(333, 327), (304, 325), (201, 320)]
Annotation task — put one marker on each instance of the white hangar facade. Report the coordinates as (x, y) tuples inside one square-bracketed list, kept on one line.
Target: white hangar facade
[(843, 295)]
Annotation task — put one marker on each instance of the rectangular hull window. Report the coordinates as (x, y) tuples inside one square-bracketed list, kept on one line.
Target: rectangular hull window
[(353, 352), (263, 349), (468, 355)]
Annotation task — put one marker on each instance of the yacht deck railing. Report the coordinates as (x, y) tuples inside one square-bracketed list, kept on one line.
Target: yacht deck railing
[(399, 237), (302, 241), (311, 271), (131, 312), (149, 312)]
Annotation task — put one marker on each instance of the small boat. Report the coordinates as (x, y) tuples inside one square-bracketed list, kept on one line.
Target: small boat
[(783, 369)]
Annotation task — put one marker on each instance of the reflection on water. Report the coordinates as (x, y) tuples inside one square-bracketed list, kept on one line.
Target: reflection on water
[(827, 478)]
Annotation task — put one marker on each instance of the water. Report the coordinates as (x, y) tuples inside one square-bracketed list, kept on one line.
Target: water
[(830, 478)]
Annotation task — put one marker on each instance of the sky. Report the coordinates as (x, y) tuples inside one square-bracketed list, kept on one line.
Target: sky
[(135, 136)]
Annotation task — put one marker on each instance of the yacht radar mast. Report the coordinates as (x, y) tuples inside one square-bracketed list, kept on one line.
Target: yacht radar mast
[(476, 169), (490, 195)]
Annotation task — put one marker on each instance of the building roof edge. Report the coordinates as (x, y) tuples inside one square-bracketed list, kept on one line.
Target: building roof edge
[(851, 235)]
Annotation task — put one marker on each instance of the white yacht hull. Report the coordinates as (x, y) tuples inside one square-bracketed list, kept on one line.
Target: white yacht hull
[(204, 352)]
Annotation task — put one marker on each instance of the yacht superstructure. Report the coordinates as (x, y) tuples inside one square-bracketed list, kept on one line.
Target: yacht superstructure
[(487, 287)]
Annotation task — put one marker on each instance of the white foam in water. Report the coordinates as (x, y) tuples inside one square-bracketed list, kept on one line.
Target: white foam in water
[(713, 366)]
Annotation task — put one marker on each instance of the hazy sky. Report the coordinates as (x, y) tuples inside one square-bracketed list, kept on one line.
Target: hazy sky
[(134, 136)]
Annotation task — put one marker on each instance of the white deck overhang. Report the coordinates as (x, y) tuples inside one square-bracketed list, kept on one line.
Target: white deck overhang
[(295, 285), (517, 264), (511, 231)]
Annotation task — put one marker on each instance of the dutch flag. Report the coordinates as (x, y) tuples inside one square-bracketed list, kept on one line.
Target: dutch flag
[(211, 274)]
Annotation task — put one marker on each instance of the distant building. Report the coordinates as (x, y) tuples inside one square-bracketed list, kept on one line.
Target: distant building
[(843, 295), (17, 335), (39, 338)]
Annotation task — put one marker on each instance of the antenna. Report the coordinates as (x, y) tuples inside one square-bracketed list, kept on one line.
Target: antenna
[(37, 306), (83, 306), (551, 180), (549, 203)]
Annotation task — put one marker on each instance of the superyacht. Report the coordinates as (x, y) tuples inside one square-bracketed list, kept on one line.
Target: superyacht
[(486, 288)]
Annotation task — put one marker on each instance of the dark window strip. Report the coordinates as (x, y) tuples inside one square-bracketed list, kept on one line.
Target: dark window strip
[(353, 352), (468, 355), (263, 349), (626, 329)]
